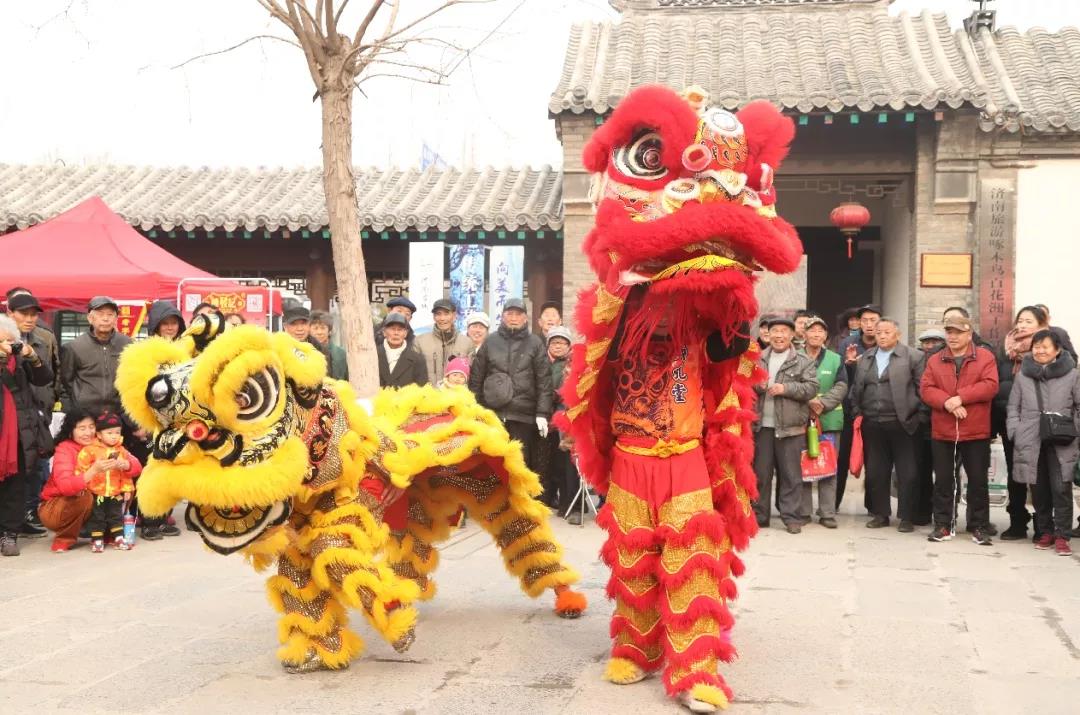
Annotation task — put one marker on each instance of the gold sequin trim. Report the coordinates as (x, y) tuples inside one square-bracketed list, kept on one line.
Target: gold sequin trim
[(492, 516), (312, 610), (417, 515), (730, 400), (681, 508), (708, 664), (702, 583), (681, 640), (639, 585), (479, 487), (330, 643), (573, 412), (629, 511), (746, 366), (329, 542), (597, 350), (514, 531), (534, 548), (642, 621), (538, 572), (297, 576), (624, 639), (586, 381), (607, 306)]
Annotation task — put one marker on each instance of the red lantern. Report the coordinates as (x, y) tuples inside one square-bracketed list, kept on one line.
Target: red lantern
[(850, 217)]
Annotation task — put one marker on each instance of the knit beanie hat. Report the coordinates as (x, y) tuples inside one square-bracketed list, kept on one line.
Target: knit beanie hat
[(458, 364), (107, 420)]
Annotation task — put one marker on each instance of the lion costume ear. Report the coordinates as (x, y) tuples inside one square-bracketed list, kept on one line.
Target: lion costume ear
[(139, 364), (202, 330)]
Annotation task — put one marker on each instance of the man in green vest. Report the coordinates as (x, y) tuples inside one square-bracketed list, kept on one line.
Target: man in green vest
[(828, 408)]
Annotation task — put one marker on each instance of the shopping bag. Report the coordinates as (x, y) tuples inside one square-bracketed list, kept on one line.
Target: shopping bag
[(823, 465), (855, 463)]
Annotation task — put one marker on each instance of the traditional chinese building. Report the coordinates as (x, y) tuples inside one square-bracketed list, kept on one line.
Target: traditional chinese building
[(273, 223), (963, 144)]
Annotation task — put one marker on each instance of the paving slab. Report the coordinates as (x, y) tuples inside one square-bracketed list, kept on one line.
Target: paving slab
[(829, 621)]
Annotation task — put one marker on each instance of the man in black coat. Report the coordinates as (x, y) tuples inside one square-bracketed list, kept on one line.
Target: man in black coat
[(400, 364), (511, 375)]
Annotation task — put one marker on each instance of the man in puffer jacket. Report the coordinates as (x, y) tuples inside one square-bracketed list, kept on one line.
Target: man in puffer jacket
[(511, 376)]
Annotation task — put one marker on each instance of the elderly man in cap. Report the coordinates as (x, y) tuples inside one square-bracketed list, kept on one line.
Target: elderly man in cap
[(88, 363), (959, 384), (477, 326), (511, 375), (400, 364), (297, 323), (828, 408), (885, 393), (783, 412), (444, 342)]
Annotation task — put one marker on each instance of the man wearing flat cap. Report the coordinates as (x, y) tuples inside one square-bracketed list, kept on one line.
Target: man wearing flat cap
[(444, 342), (88, 363), (783, 412)]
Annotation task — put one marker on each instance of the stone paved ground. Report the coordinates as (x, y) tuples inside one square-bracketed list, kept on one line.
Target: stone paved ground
[(846, 621)]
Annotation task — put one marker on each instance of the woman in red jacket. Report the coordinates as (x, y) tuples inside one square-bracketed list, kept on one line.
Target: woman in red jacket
[(65, 501)]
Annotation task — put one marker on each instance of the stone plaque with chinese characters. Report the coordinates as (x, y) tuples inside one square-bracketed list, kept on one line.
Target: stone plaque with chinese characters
[(996, 230)]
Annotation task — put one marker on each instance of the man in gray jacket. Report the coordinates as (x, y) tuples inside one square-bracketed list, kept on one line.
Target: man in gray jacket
[(88, 363), (885, 393), (780, 430), (444, 342)]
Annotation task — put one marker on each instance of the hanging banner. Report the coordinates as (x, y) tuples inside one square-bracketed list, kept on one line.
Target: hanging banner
[(130, 318), (251, 302), (467, 281), (506, 278), (426, 266)]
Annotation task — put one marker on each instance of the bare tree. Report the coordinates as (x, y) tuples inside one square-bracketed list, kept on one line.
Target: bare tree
[(339, 63)]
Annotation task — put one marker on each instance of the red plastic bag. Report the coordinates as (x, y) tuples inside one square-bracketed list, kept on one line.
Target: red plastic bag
[(855, 464), (822, 466)]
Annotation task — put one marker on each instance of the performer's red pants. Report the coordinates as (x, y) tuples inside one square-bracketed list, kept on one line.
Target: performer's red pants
[(670, 568)]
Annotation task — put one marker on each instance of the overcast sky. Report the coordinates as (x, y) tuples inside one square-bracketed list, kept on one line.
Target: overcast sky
[(94, 81)]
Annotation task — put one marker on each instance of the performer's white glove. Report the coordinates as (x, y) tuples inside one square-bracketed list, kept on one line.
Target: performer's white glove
[(541, 424)]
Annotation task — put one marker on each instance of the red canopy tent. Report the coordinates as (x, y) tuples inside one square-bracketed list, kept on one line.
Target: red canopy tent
[(86, 251)]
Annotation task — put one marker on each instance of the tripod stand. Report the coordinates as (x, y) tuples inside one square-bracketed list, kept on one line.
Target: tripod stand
[(585, 498)]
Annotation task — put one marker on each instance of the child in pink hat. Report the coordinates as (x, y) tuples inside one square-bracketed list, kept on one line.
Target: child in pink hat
[(457, 373)]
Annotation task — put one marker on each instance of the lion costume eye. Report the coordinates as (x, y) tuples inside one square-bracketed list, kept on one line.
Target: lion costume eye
[(641, 158), (158, 392), (258, 396)]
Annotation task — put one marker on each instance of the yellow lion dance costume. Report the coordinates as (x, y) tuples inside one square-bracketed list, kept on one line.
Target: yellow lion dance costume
[(281, 464)]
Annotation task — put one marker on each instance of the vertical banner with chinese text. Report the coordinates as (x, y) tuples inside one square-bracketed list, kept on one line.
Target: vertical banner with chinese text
[(130, 318), (505, 278), (996, 235), (467, 280), (426, 265)]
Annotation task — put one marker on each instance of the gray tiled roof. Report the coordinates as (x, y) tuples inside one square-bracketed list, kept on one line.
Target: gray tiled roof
[(829, 58), (395, 199)]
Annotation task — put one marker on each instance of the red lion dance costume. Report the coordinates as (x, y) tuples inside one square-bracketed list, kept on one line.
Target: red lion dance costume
[(660, 395)]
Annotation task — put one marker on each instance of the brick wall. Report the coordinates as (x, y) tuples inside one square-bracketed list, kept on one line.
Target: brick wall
[(574, 131)]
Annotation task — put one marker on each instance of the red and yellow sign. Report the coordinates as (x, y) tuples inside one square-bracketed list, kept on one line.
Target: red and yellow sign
[(131, 317), (251, 302)]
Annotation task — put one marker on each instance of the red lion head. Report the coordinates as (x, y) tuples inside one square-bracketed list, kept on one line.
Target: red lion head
[(685, 201)]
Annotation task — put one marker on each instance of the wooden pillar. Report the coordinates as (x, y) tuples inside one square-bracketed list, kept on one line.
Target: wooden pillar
[(319, 282), (536, 275)]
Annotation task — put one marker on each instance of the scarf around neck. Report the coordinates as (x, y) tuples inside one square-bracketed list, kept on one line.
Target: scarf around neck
[(1017, 345), (9, 426)]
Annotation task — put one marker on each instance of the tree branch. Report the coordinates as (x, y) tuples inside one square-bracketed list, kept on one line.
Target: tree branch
[(234, 47), (366, 22), (445, 6), (422, 80)]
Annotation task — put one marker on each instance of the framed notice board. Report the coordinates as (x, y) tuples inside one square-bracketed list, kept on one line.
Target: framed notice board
[(946, 270)]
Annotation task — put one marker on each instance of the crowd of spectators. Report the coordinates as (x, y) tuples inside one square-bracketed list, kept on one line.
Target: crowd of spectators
[(918, 418)]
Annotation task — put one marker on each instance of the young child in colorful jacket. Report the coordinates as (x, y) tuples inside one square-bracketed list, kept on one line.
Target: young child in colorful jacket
[(112, 483)]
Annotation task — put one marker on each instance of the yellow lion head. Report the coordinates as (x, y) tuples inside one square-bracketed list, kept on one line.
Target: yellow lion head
[(226, 410)]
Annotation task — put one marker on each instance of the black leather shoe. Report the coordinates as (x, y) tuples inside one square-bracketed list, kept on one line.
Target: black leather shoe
[(877, 522), (906, 527), (169, 530), (1016, 532)]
